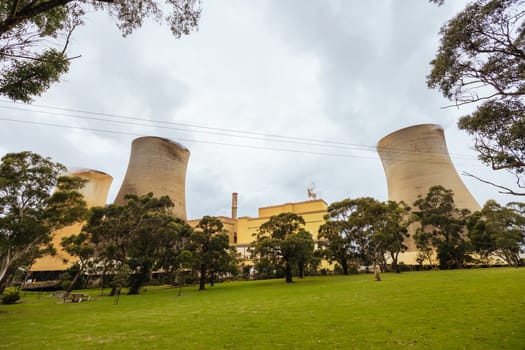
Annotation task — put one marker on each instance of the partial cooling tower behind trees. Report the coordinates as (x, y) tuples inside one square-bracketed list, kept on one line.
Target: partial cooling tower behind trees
[(95, 193), (415, 159), (157, 165)]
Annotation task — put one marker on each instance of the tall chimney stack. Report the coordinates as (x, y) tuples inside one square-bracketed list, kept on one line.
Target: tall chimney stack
[(234, 205)]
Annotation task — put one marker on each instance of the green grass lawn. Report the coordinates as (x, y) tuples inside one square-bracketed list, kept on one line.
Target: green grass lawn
[(467, 309)]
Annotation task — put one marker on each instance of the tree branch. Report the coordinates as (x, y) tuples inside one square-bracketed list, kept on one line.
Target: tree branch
[(30, 11), (506, 189)]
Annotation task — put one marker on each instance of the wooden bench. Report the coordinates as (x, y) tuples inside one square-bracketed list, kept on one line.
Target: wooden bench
[(79, 297)]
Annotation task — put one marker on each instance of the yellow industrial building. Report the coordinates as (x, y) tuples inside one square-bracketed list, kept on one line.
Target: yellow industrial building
[(242, 230)]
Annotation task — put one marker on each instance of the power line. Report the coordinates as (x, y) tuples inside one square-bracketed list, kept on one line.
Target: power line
[(189, 125), (182, 129), (186, 140), (223, 131), (443, 161)]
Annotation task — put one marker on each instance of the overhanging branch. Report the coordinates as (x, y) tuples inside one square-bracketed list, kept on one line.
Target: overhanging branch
[(506, 190)]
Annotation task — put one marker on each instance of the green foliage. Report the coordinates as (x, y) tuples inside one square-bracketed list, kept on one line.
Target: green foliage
[(481, 59), (24, 78), (211, 250), (35, 199), (304, 256), (364, 228), (499, 131), (11, 298), (29, 28), (282, 244), (442, 227), (335, 236), (499, 231), (65, 280), (120, 278), (81, 247), (392, 229), (142, 233)]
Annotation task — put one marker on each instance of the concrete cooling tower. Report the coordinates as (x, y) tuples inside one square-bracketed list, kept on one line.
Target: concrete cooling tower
[(416, 158), (95, 193), (157, 165)]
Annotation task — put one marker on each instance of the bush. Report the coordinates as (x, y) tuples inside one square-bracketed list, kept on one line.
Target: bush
[(65, 280), (11, 298), (403, 267)]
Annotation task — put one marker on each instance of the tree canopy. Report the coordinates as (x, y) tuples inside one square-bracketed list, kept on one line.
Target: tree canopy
[(210, 247), (34, 35), (442, 228), (141, 233), (364, 229), (335, 236), (283, 243), (498, 230), (35, 200), (480, 60)]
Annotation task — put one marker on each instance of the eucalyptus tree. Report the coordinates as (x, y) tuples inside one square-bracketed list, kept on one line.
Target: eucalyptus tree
[(391, 227), (142, 233), (336, 236), (364, 228), (284, 243), (81, 247), (35, 200), (498, 230), (210, 246), (362, 222), (480, 60), (443, 227), (34, 35)]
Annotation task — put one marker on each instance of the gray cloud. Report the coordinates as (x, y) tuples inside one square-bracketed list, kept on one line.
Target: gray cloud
[(331, 70)]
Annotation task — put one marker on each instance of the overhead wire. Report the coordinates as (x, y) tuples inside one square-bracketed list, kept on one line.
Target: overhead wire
[(443, 160), (263, 137), (185, 140), (185, 130), (268, 135)]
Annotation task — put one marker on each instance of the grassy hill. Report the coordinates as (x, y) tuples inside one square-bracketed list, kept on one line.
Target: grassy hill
[(463, 309)]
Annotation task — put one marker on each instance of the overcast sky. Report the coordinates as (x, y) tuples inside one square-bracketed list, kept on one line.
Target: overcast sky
[(344, 71)]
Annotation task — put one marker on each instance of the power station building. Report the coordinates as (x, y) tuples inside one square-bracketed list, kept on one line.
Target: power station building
[(242, 230), (414, 159)]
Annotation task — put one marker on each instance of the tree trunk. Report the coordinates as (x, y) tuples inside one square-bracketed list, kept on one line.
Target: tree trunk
[(377, 272), (139, 279), (202, 277), (4, 282), (72, 285), (395, 266), (212, 278), (301, 270), (288, 273), (344, 265), (5, 263)]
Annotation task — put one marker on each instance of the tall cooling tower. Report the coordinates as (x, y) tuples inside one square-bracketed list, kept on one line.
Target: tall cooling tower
[(415, 159), (95, 193), (157, 165)]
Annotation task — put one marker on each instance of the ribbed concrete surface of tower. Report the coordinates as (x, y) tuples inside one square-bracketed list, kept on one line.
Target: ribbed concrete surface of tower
[(416, 158), (95, 193), (157, 165)]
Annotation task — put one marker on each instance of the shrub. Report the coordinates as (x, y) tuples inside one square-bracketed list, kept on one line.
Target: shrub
[(11, 298)]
